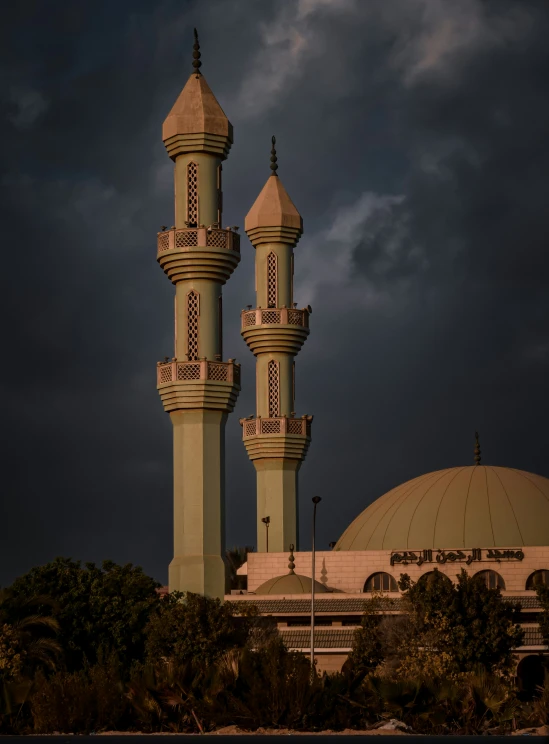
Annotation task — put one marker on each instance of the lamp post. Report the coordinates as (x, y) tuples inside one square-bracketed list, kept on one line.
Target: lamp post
[(266, 521), (316, 500)]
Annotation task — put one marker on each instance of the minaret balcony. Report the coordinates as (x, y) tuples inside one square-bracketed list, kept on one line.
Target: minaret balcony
[(254, 427), (198, 384), (198, 253), (187, 238), (275, 329), (176, 371), (275, 316), (279, 438)]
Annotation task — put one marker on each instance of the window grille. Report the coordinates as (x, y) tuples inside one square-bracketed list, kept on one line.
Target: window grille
[(271, 280), (188, 371), (193, 311), (295, 426), (186, 238), (192, 194), (274, 386), (163, 242), (270, 427)]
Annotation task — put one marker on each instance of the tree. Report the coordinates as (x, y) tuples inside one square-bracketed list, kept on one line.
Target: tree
[(189, 627), (443, 631), (459, 628), (367, 652), (98, 609), (26, 638)]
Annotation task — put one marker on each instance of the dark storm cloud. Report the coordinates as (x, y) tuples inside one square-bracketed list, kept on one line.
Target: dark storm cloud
[(412, 137)]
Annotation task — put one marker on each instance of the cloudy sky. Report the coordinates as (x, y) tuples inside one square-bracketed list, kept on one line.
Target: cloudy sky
[(412, 136)]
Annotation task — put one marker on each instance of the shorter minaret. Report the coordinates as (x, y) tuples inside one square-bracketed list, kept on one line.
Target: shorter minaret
[(276, 441)]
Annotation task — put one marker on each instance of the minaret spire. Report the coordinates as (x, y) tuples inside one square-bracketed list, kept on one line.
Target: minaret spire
[(274, 166), (275, 438), (291, 564), (477, 449), (197, 64)]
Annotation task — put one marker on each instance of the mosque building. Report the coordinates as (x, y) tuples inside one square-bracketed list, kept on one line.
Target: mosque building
[(492, 521)]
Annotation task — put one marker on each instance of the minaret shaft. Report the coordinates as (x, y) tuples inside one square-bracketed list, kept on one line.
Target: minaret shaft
[(197, 388), (278, 259), (198, 318), (273, 402), (275, 440), (198, 195)]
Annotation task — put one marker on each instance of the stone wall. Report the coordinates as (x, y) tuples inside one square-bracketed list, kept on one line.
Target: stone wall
[(347, 571)]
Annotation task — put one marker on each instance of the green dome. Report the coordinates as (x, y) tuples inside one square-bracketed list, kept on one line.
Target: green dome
[(291, 583), (470, 507)]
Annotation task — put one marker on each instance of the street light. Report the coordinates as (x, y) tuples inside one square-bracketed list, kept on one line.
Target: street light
[(316, 500), (266, 521)]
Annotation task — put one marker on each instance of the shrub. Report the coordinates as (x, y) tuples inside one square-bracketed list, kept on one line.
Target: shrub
[(91, 699)]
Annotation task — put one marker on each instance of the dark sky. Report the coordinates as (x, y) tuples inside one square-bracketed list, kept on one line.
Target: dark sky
[(412, 136)]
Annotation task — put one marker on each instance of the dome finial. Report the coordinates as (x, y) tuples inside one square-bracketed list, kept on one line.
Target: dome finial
[(196, 54), (477, 449), (291, 564), (274, 166)]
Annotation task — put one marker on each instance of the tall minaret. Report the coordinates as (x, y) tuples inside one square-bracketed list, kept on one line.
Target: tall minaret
[(198, 390), (276, 441)]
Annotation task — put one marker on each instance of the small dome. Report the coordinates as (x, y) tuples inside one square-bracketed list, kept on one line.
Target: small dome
[(273, 208), (197, 111), (291, 583), (467, 507)]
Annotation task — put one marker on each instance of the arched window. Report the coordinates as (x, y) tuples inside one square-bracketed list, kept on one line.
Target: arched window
[(272, 280), (492, 579), (538, 578), (193, 311), (192, 194), (381, 582)]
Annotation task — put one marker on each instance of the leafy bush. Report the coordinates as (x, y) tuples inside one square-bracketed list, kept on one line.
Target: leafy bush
[(187, 627)]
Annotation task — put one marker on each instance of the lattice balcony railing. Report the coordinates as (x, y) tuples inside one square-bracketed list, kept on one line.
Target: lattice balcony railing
[(281, 425), (275, 316), (175, 371), (193, 237)]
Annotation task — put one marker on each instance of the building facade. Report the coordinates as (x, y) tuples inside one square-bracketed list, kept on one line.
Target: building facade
[(490, 521)]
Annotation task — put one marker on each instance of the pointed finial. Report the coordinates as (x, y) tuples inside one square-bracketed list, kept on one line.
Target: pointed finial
[(196, 54), (477, 449), (291, 564), (274, 166)]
